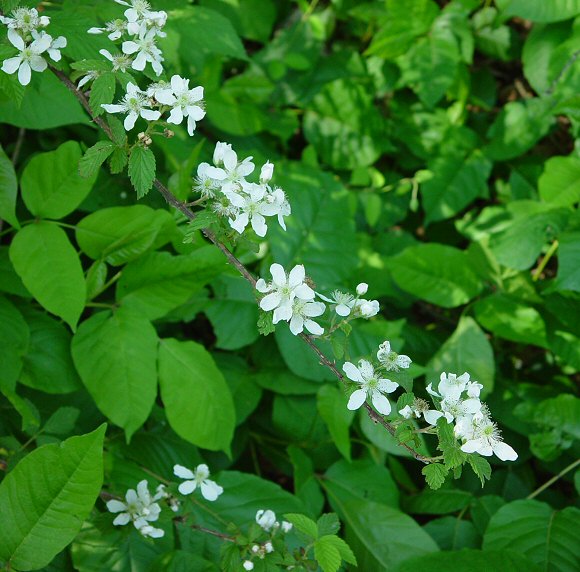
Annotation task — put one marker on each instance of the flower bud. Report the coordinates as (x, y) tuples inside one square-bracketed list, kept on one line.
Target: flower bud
[(362, 289), (266, 172), (248, 565)]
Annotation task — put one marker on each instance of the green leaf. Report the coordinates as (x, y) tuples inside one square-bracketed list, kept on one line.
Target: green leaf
[(51, 184), (437, 273), (306, 486), (48, 365), (344, 126), (546, 536), (455, 184), (519, 243), (443, 501), (452, 533), (320, 229), (142, 169), (431, 64), (387, 534), (204, 32), (158, 282), (50, 269), (197, 399), (540, 11), (469, 561), (435, 474), (511, 320), (115, 355), (94, 157), (46, 498), (203, 219), (8, 190), (332, 408), (518, 127), (403, 23), (121, 234), (327, 554), (102, 92), (14, 341), (304, 524), (343, 548), (467, 349), (328, 523), (559, 184), (46, 104), (480, 467), (568, 269)]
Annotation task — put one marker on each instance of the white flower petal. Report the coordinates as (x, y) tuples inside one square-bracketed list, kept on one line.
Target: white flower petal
[(122, 519), (116, 506), (381, 403), (352, 372), (356, 399), (278, 274), (270, 301), (210, 490), (11, 64), (183, 472), (313, 327), (24, 73), (297, 324), (297, 275), (187, 487), (504, 451)]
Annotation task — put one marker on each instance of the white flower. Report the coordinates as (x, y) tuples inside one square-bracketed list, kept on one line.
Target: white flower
[(147, 21), (232, 172), (121, 62), (135, 104), (268, 547), (89, 76), (161, 493), (407, 412), (452, 385), (371, 386), (25, 19), (391, 360), (286, 526), (251, 208), (146, 50), (198, 477), (115, 29), (453, 408), (277, 204), (248, 565), (54, 49), (184, 102), (150, 531), (138, 507), (342, 302), (266, 519), (362, 289), (473, 388), (302, 312), (29, 57), (485, 438), (281, 292), (266, 172), (203, 183), (366, 308)]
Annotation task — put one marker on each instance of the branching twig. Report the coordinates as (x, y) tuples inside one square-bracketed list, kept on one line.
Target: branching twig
[(190, 215)]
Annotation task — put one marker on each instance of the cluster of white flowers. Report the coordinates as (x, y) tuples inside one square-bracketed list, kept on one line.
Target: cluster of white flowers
[(345, 304), (140, 508), (458, 401), (26, 33), (142, 26), (225, 186), (199, 477), (266, 519), (174, 96)]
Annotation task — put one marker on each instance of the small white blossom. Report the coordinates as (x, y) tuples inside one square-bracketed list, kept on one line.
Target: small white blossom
[(484, 437), (342, 302), (251, 208), (197, 478), (277, 205), (89, 76), (391, 360), (268, 547), (248, 565), (267, 519), (147, 51), (266, 172), (231, 173), (25, 19), (453, 408), (161, 493), (371, 386), (281, 292), (366, 308), (114, 29), (204, 184), (54, 49), (184, 102), (407, 412), (29, 57), (135, 103), (473, 388), (362, 289), (302, 312), (139, 507), (286, 526), (121, 62)]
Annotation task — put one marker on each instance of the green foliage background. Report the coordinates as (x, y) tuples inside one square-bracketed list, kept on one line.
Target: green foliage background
[(427, 148)]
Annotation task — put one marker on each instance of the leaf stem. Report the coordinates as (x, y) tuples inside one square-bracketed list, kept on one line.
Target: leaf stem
[(545, 260), (555, 478)]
